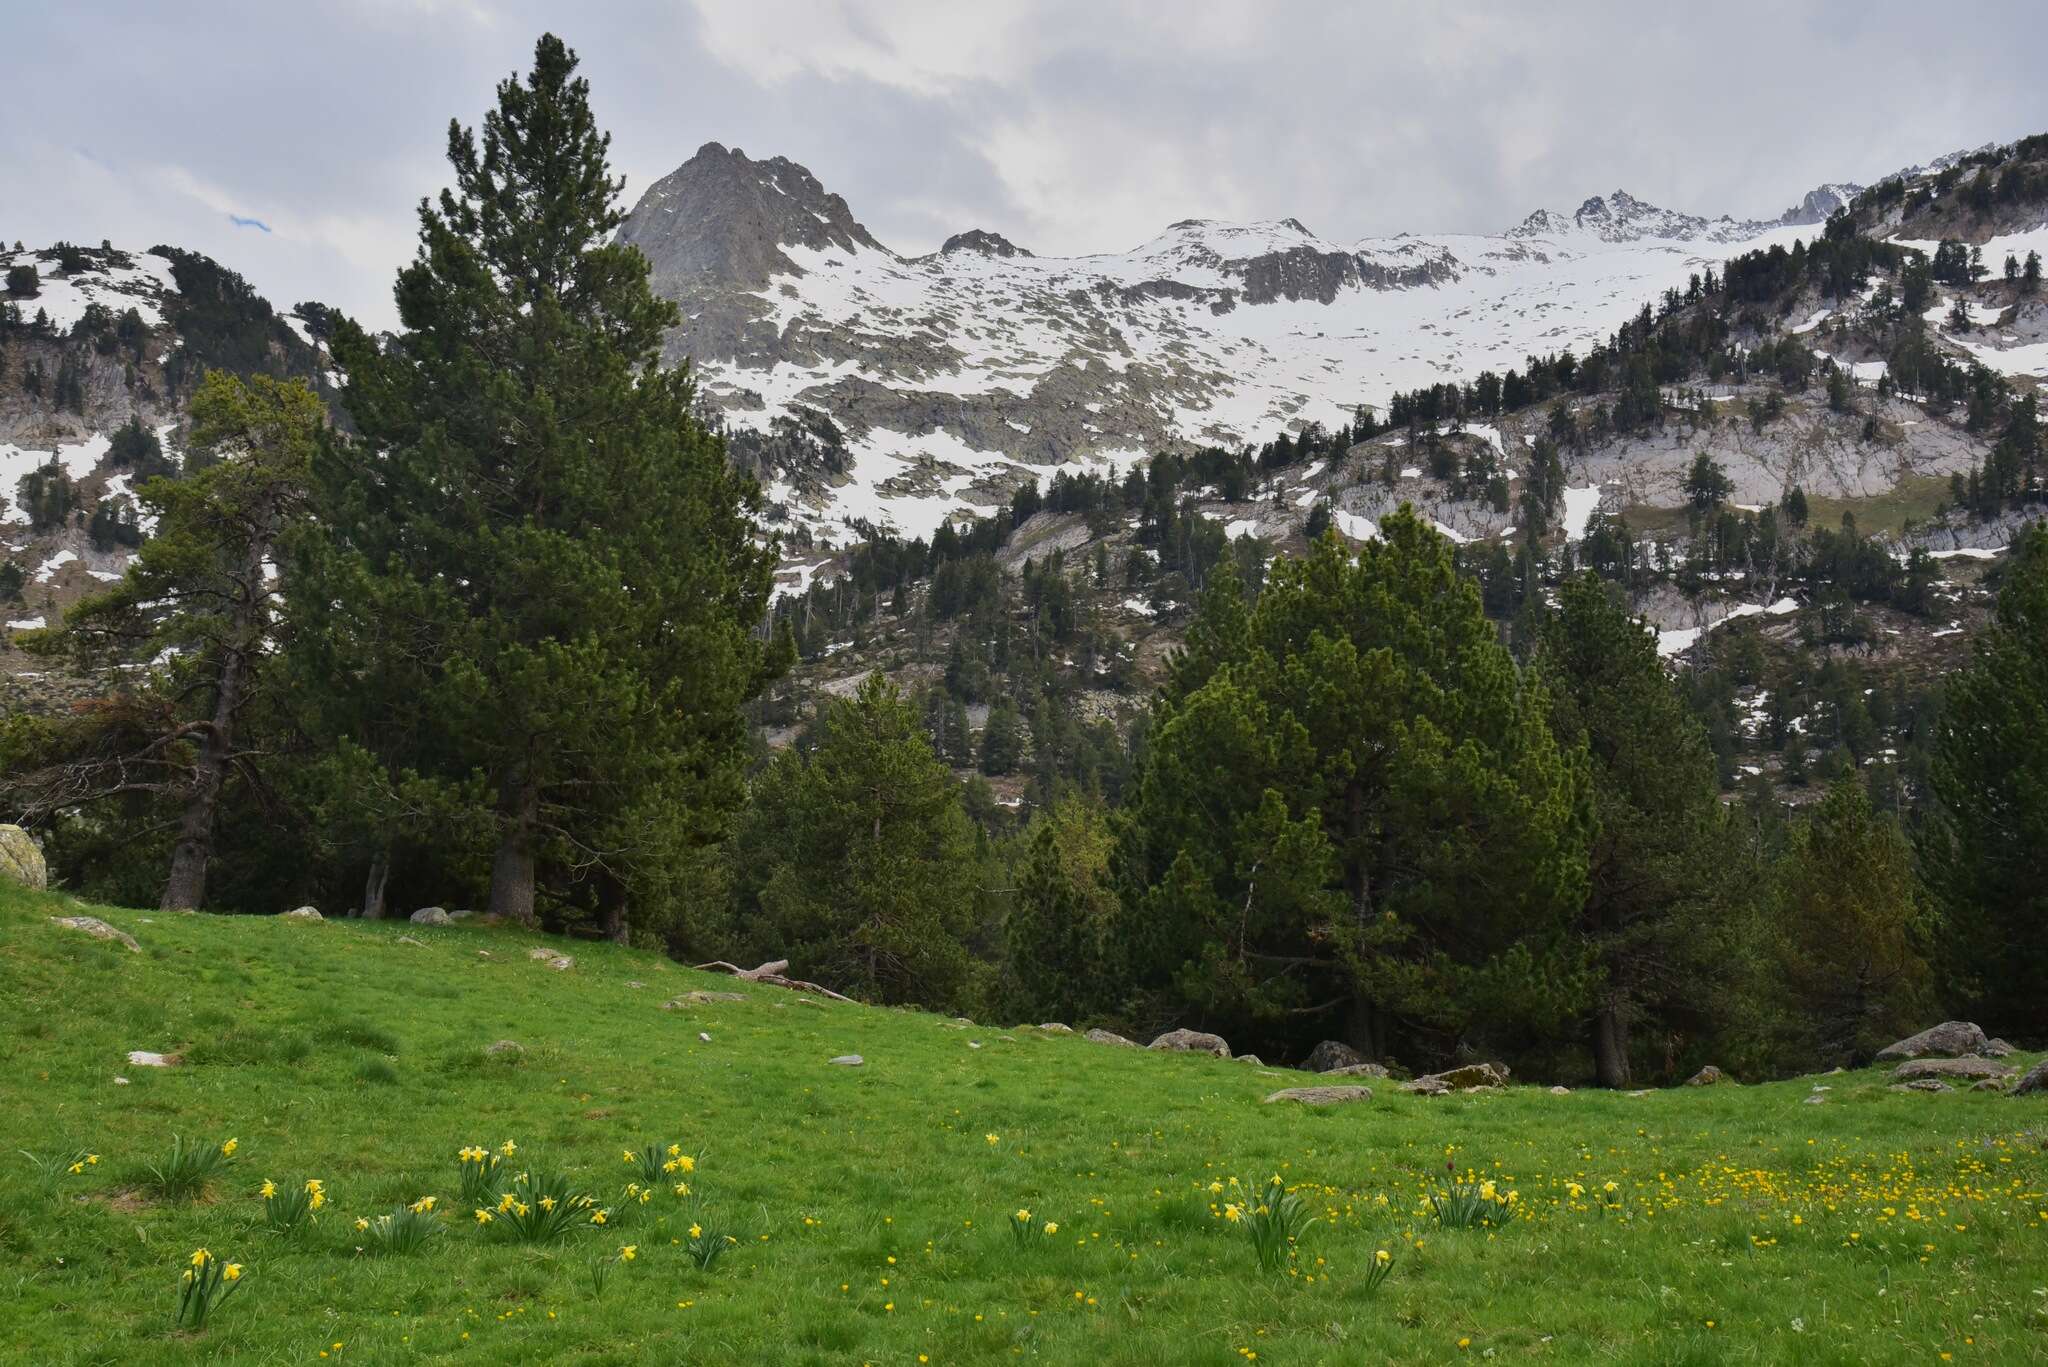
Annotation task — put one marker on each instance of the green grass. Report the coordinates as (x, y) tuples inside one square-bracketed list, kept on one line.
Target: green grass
[(871, 1209)]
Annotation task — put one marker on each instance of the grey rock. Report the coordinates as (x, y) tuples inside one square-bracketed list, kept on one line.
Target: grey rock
[(1815, 1100), (1988, 1084), (2034, 1082), (143, 1058), (301, 914), (1331, 1055), (1426, 1086), (635, 983), (700, 999), (848, 1060), (1191, 1042), (540, 952), (1467, 1077), (21, 859), (98, 929), (1321, 1096), (409, 940), (1560, 1091), (1055, 1028), (562, 963), (1948, 1067), (1252, 1059), (1360, 1070), (1706, 1077), (431, 916), (1997, 1048), (1099, 1036), (1950, 1039), (1923, 1084)]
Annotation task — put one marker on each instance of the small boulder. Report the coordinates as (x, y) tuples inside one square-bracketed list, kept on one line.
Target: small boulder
[(98, 929), (301, 914), (1948, 1067), (1815, 1100), (635, 983), (410, 940), (1426, 1086), (506, 1046), (1922, 1084), (485, 954), (1321, 1096), (540, 952), (700, 999), (1329, 1056), (1706, 1077), (2036, 1080), (432, 916), (1988, 1084), (21, 859), (143, 1058), (1996, 1048), (1360, 1070), (848, 1061), (1560, 1091), (1254, 1060), (1191, 1042), (561, 963), (1950, 1039), (1464, 1079), (1109, 1037), (1055, 1028)]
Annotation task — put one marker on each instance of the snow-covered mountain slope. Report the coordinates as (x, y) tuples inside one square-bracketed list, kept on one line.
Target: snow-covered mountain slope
[(957, 374)]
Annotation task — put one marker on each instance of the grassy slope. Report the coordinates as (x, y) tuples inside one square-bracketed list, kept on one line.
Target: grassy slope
[(333, 1051)]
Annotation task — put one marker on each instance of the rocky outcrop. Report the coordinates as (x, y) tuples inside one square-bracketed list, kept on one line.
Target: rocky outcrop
[(1191, 1042), (1471, 1075), (98, 929), (1321, 1096), (301, 914), (1361, 1070), (21, 859), (1706, 1077), (1329, 1056), (1950, 1039), (1922, 1084), (1100, 1036), (432, 916), (2034, 1082), (1949, 1067)]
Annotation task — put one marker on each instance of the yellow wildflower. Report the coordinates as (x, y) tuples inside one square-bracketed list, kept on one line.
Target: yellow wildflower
[(508, 1148), (547, 1203), (483, 1217), (1023, 1216), (361, 1223), (78, 1167), (92, 1159), (696, 1231), (269, 1189), (228, 1149), (597, 1217), (1051, 1227), (686, 1163), (1383, 1257), (232, 1272), (675, 1151), (627, 1252), (423, 1205), (993, 1139), (200, 1257)]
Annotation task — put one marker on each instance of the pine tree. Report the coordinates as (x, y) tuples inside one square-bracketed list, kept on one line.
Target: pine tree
[(532, 498), (856, 860), (1351, 811), (1063, 955), (1650, 914), (196, 615), (1986, 851)]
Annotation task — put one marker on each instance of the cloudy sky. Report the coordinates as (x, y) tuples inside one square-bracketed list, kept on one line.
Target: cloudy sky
[(292, 140)]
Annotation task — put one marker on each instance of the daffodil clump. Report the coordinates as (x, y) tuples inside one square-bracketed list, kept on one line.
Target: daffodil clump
[(51, 1168), (705, 1246), (540, 1206), (1472, 1202), (478, 1174), (1376, 1272), (1273, 1222), (287, 1208), (1022, 1229), (183, 1173), (204, 1286), (403, 1229), (654, 1165)]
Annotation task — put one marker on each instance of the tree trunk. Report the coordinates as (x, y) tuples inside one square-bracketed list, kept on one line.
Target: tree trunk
[(374, 908), (615, 927), (512, 869), (1364, 1030), (185, 889), (1610, 1047)]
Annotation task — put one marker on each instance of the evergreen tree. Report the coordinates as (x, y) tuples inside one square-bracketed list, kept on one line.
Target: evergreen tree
[(857, 861), (1854, 928), (1986, 850), (1650, 914), (1351, 817), (1063, 955), (195, 615), (530, 495), (1002, 739)]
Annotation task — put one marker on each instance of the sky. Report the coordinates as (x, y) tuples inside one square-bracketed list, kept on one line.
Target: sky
[(293, 141)]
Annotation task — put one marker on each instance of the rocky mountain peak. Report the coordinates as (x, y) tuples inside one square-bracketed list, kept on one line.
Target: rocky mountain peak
[(983, 242)]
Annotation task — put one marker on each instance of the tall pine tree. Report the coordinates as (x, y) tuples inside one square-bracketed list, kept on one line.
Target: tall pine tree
[(557, 550)]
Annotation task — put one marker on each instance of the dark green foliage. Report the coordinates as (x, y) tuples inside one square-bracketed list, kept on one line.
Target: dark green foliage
[(1064, 959), (1986, 851)]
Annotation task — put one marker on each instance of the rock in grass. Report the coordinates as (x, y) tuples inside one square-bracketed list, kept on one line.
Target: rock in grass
[(1254, 1060), (848, 1061), (1191, 1042), (21, 859), (1425, 1086), (1706, 1077), (700, 999), (1321, 1096), (1331, 1055), (301, 914), (1996, 1048), (1464, 1079), (1950, 1039), (409, 940), (2035, 1081), (540, 952), (1055, 1028), (1360, 1070), (562, 963), (431, 916), (504, 1047), (1948, 1067), (98, 929), (1560, 1091), (1922, 1084), (1988, 1084), (1109, 1037), (143, 1058)]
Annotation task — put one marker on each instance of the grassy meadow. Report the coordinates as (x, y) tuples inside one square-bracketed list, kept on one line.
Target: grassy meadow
[(868, 1214)]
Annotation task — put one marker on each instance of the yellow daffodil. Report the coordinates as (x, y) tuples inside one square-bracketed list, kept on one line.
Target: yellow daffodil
[(228, 1149), (361, 1224), (627, 1155), (1023, 1216), (78, 1166), (200, 1257), (627, 1252), (696, 1231), (483, 1217), (1383, 1257), (423, 1205), (268, 1190), (597, 1217), (675, 1151), (682, 1188), (232, 1272), (547, 1203), (993, 1139), (92, 1159), (1052, 1227), (508, 1148)]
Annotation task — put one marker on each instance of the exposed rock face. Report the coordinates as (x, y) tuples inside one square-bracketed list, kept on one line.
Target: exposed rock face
[(1361, 1070), (982, 241), (1331, 1055), (1949, 1067), (2034, 1082), (1950, 1039), (1922, 1084), (1191, 1042), (432, 916), (1321, 1096), (21, 859), (1471, 1075), (1109, 1037), (98, 929)]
